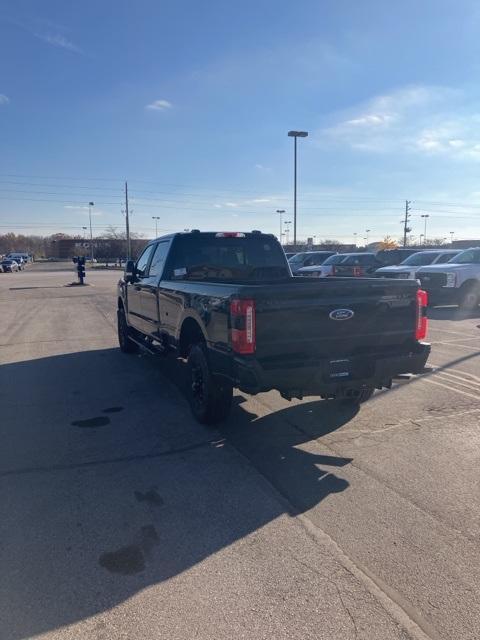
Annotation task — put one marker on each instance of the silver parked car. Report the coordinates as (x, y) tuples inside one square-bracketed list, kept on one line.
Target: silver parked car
[(409, 267)]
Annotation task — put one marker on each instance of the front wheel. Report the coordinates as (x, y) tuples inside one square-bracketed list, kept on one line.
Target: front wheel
[(210, 396), (126, 344), (470, 299)]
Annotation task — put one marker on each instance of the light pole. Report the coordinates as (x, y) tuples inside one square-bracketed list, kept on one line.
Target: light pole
[(355, 238), (295, 135), (90, 205), (280, 212), (156, 218), (84, 229), (451, 236), (287, 230), (425, 216), (367, 231)]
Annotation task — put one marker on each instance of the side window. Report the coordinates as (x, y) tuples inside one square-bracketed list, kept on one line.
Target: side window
[(445, 257), (308, 262), (142, 262), (366, 260), (158, 260)]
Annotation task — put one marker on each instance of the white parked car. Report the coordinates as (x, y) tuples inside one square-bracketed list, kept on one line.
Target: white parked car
[(409, 267), (456, 282), (322, 270)]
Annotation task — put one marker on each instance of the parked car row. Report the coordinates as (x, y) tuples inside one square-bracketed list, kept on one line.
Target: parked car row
[(14, 262), (448, 275)]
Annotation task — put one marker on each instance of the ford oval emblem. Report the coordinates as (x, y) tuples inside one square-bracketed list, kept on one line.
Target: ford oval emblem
[(341, 314)]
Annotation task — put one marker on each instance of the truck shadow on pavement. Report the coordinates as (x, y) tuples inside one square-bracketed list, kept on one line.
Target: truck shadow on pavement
[(108, 486), (452, 313)]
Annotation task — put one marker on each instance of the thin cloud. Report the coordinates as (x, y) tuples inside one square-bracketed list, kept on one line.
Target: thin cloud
[(4, 99), (59, 41), (159, 105), (262, 167), (424, 120)]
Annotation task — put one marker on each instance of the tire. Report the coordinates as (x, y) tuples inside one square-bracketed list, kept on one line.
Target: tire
[(126, 344), (210, 396), (470, 299), (363, 395)]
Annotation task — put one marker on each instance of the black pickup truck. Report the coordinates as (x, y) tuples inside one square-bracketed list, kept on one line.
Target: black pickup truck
[(228, 303)]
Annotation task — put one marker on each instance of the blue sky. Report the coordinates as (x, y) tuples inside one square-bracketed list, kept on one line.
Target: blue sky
[(191, 102)]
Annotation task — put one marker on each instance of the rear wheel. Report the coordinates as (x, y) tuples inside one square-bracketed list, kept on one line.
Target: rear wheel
[(210, 396), (470, 298), (126, 344), (362, 396)]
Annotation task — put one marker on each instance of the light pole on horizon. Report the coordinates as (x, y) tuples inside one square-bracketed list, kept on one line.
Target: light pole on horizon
[(156, 218), (367, 231), (90, 205), (295, 135), (280, 212), (425, 216), (287, 230), (355, 234), (451, 236), (84, 229)]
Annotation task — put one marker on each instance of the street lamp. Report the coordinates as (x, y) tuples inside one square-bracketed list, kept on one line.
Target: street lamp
[(295, 135), (90, 205), (156, 218), (425, 216), (84, 229), (451, 236), (280, 212), (355, 234), (367, 231)]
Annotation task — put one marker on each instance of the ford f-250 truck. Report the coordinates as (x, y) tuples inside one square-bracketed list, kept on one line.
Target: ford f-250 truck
[(228, 303), (454, 282)]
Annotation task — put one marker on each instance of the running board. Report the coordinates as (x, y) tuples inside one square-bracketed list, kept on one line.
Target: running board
[(150, 347)]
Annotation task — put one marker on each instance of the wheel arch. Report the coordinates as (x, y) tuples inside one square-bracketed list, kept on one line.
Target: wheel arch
[(191, 332)]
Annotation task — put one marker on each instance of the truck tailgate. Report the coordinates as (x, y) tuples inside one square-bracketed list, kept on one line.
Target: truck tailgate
[(296, 321)]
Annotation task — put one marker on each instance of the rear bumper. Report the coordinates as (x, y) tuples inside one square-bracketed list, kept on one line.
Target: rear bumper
[(318, 379)]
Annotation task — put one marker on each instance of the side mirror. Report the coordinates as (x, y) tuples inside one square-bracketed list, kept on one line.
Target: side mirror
[(130, 270)]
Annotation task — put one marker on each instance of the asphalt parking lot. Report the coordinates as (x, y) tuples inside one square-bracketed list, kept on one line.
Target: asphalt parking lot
[(121, 517)]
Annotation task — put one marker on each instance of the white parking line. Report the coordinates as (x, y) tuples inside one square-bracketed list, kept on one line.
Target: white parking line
[(439, 384), (457, 371)]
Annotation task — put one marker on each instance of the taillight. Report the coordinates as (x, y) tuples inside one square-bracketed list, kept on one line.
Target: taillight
[(421, 328), (357, 272), (242, 318)]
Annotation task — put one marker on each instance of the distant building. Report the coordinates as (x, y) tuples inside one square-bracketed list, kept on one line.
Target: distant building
[(66, 248), (465, 244)]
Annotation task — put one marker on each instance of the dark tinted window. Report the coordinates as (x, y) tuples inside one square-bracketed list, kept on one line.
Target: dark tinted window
[(316, 258), (209, 258), (336, 259), (298, 257), (445, 257), (420, 259), (359, 259)]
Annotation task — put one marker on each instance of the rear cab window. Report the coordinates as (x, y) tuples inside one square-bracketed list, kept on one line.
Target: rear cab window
[(207, 257)]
